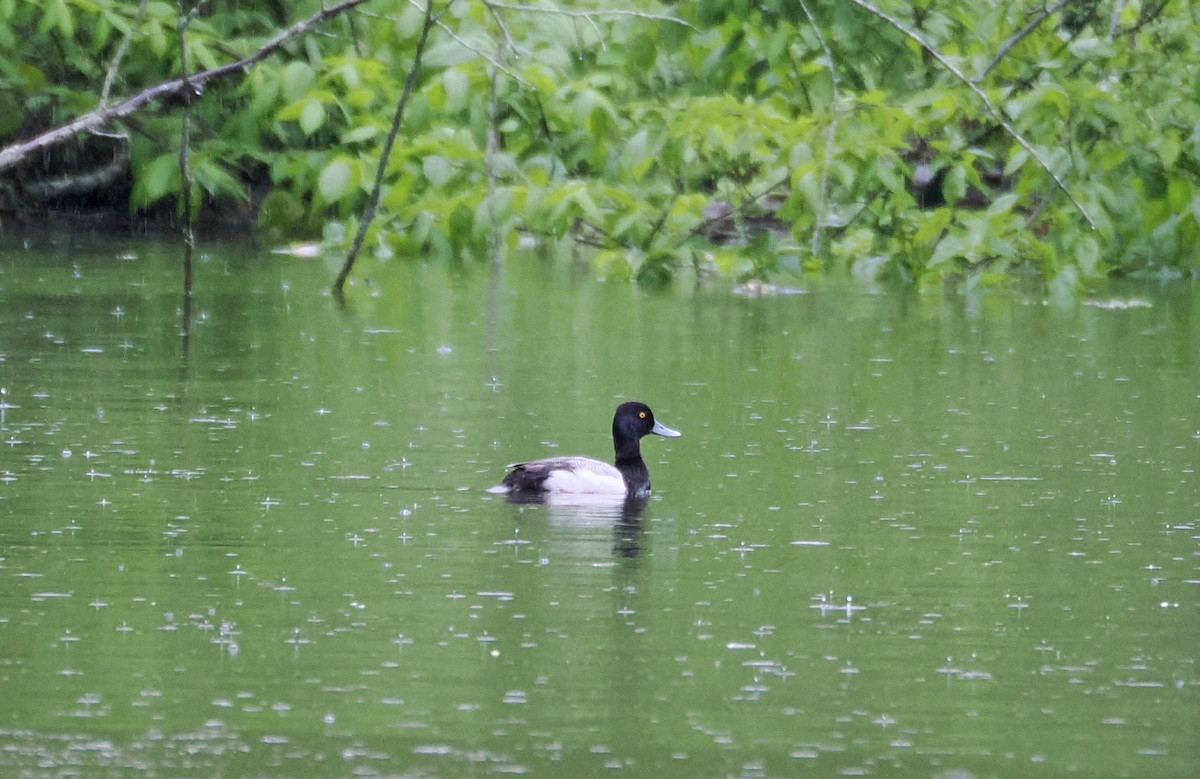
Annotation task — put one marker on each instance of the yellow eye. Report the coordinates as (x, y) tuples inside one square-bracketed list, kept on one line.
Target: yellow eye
[(641, 415)]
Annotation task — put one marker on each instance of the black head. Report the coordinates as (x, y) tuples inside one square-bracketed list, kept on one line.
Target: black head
[(632, 421)]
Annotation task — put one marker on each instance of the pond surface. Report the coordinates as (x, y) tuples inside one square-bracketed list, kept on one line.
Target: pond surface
[(901, 534)]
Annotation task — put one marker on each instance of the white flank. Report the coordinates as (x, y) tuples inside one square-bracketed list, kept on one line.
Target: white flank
[(587, 476)]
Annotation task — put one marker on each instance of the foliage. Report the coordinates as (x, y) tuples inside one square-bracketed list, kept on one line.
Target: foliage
[(739, 137)]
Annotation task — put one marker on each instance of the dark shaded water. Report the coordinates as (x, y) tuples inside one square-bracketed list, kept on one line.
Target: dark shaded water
[(901, 534)]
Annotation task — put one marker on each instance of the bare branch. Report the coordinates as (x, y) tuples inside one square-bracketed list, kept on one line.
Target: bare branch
[(509, 43), (115, 65), (185, 144), (992, 108), (1115, 20), (75, 183), (489, 58), (1045, 14), (410, 85), (830, 132), (103, 115), (587, 14), (504, 43)]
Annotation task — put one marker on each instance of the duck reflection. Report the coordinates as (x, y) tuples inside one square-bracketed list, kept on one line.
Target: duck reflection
[(627, 531), (624, 513)]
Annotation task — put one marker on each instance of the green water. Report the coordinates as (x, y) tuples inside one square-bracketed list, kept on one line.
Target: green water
[(902, 535)]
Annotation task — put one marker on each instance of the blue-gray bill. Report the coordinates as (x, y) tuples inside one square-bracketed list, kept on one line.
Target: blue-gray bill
[(662, 430)]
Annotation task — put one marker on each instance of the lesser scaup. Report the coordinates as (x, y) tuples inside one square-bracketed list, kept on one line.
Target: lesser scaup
[(585, 476)]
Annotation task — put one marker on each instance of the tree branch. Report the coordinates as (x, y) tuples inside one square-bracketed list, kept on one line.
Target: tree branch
[(105, 114), (830, 132), (503, 42), (1045, 14), (992, 108), (185, 144), (115, 65), (494, 61), (588, 14), (410, 84)]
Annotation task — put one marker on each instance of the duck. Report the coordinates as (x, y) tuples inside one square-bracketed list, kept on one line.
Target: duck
[(576, 475)]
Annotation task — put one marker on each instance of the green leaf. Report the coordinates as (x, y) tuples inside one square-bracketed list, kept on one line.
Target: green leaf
[(34, 78), (280, 210), (457, 89), (1003, 204), (1018, 158), (1179, 194), (808, 184), (461, 221), (1087, 255), (950, 247), (217, 180), (336, 180), (297, 78), (159, 178), (203, 56), (437, 169), (588, 206), (635, 156), (312, 116), (1089, 47), (954, 185), (1168, 150), (60, 15), (360, 134), (641, 54), (932, 226), (612, 263)]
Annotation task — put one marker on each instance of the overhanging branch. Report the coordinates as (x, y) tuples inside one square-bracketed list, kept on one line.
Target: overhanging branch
[(105, 114)]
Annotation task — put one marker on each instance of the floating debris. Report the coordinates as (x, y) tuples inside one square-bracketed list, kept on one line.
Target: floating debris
[(1117, 304), (759, 288), (304, 251)]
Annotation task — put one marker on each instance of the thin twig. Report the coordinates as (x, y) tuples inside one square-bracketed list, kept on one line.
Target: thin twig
[(355, 36), (495, 63), (509, 43), (103, 115), (493, 137), (992, 108), (657, 227), (830, 132), (1115, 20), (410, 84), (738, 212), (185, 170), (115, 65), (185, 144), (1020, 36), (1146, 16), (596, 29), (588, 14)]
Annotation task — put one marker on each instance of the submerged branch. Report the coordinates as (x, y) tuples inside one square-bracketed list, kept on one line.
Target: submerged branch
[(105, 114), (185, 147)]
